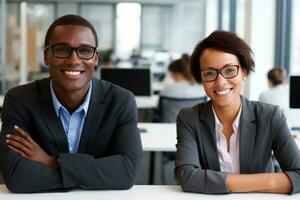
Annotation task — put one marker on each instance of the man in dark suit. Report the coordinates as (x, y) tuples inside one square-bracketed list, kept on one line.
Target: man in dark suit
[(69, 130)]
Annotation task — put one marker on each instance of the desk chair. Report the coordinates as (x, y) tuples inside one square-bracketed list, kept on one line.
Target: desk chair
[(168, 109)]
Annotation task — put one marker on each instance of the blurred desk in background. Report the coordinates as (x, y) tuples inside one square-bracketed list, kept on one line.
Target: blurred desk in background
[(159, 137), (1, 100), (146, 107), (147, 102), (156, 139), (293, 117), (1, 103)]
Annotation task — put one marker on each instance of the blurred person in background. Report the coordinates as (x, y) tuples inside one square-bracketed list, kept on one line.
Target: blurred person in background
[(183, 84), (278, 94)]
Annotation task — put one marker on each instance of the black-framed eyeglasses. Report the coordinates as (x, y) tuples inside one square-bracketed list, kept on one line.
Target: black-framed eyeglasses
[(64, 51), (229, 71)]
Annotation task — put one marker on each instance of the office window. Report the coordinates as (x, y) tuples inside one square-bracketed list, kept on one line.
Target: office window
[(102, 18), (224, 14), (39, 18), (155, 27), (66, 8), (12, 35), (283, 34), (240, 17), (10, 73), (13, 11), (188, 26), (295, 40), (128, 27)]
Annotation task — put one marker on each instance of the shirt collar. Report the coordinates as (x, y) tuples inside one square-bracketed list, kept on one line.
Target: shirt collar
[(235, 125), (57, 105)]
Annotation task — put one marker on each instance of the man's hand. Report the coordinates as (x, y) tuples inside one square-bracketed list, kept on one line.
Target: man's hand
[(25, 146)]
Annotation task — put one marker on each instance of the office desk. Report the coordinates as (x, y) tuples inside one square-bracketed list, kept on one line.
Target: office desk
[(161, 137), (158, 136), (147, 102), (140, 192), (292, 116)]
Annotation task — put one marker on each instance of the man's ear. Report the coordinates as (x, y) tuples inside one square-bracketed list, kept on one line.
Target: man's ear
[(46, 57), (96, 57)]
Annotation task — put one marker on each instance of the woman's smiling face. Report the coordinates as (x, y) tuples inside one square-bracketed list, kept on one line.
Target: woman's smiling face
[(222, 91)]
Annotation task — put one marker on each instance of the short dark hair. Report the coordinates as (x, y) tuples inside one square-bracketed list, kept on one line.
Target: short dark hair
[(277, 76), (69, 20), (223, 41), (181, 66)]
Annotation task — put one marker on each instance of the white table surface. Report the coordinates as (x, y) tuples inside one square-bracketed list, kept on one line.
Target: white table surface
[(147, 102), (139, 192), (159, 136)]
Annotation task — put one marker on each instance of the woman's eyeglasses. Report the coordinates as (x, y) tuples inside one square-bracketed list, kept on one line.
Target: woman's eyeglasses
[(229, 71)]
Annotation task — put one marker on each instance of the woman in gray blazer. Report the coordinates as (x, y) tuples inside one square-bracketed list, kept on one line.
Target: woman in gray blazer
[(225, 145)]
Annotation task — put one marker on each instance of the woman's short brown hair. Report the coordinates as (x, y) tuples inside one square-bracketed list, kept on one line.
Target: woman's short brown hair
[(223, 41)]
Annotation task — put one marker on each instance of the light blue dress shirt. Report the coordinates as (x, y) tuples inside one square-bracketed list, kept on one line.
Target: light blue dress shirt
[(73, 123)]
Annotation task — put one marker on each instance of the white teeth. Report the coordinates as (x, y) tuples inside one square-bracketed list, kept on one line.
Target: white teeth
[(73, 73), (223, 92)]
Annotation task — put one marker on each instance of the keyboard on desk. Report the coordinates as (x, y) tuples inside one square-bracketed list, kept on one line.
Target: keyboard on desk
[(143, 130)]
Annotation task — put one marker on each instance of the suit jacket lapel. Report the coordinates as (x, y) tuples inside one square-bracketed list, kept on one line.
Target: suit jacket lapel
[(94, 115), (247, 136), (52, 121), (209, 139)]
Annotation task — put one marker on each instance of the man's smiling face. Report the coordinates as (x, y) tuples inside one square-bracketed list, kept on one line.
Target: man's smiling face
[(71, 73)]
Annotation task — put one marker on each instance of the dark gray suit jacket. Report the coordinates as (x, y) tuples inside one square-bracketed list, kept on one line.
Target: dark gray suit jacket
[(263, 129), (110, 148)]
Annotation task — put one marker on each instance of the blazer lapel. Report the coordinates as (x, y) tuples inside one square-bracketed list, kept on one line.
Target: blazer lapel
[(52, 121), (94, 116), (209, 139), (247, 136)]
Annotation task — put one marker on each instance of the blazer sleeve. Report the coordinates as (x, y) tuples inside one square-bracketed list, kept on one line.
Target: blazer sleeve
[(117, 171), (15, 169), (285, 149), (188, 171)]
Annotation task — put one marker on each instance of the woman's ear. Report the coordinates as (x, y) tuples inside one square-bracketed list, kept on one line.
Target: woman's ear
[(244, 75)]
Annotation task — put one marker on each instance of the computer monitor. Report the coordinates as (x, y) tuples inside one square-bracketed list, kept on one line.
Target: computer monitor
[(136, 80), (294, 91)]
